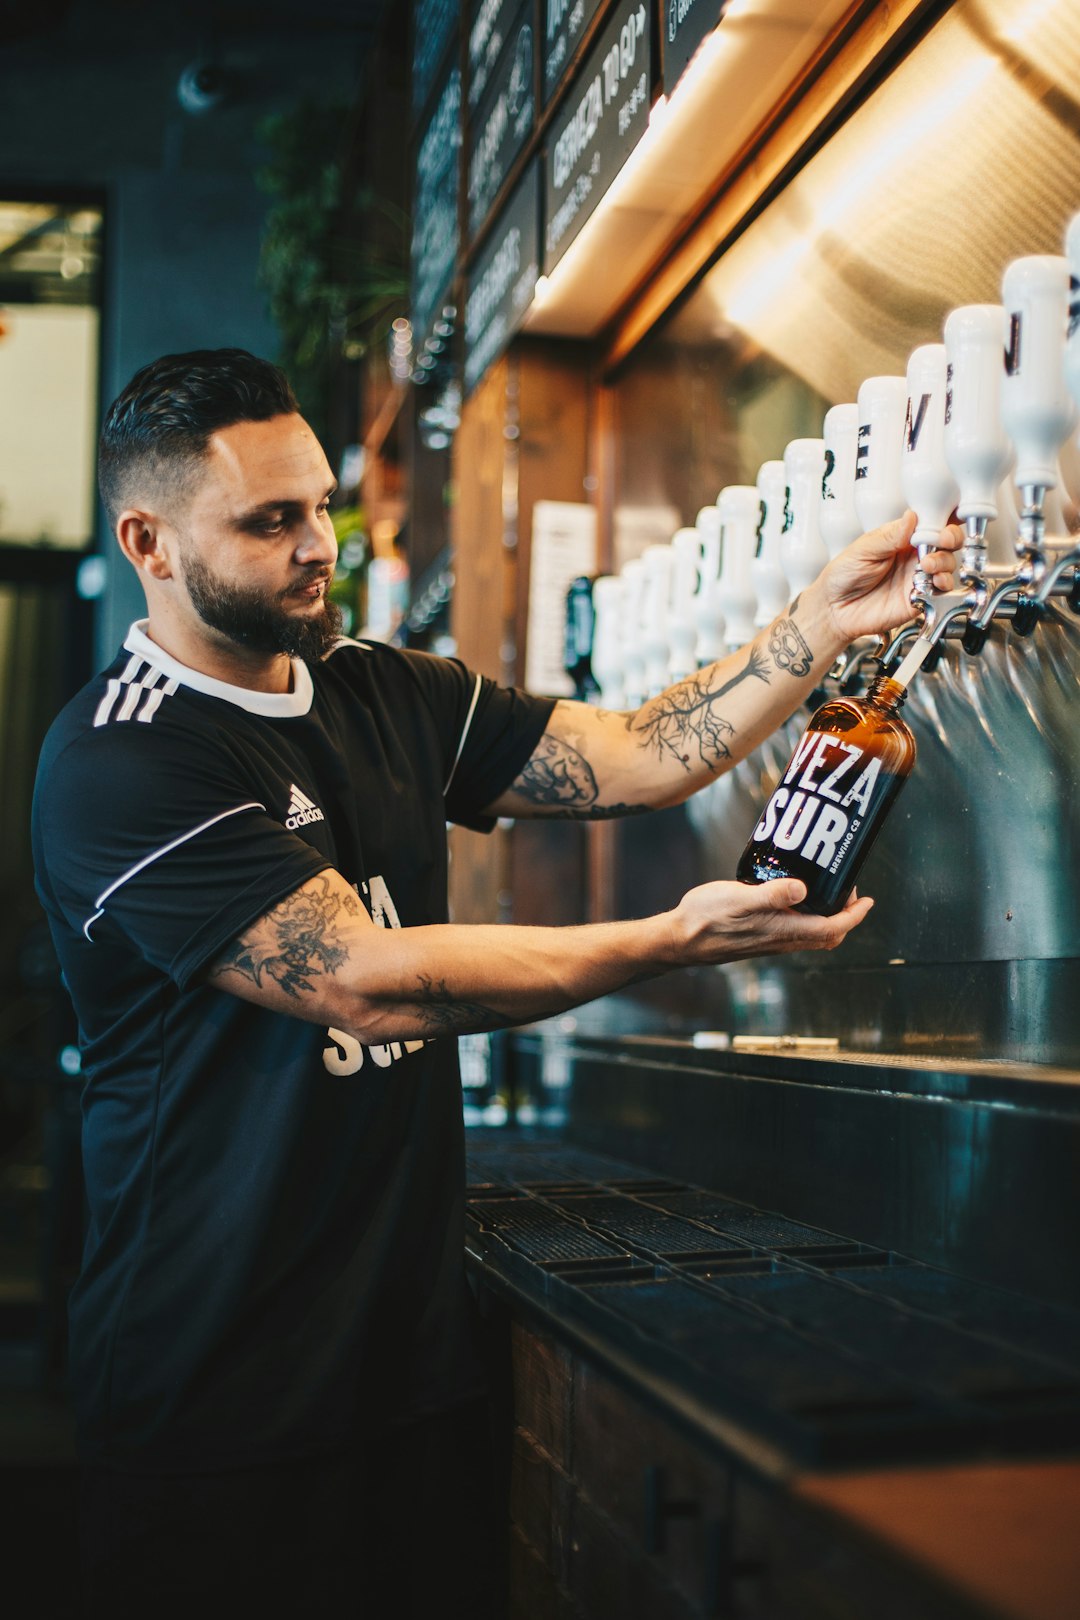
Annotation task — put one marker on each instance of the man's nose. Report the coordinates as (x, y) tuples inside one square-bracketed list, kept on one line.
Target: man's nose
[(318, 543)]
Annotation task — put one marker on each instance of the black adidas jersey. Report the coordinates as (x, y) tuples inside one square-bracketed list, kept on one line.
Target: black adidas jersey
[(275, 1248)]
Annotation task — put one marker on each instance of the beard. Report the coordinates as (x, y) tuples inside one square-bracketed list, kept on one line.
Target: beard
[(260, 620)]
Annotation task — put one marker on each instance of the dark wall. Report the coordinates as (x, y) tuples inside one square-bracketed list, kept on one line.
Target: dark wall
[(93, 102)]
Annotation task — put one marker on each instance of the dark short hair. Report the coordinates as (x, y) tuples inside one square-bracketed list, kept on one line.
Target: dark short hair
[(157, 431)]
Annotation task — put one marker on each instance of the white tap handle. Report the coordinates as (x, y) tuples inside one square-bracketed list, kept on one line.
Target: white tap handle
[(1055, 515), (770, 581), (802, 548), (740, 507), (633, 653), (682, 628), (655, 616), (1035, 405), (607, 662), (1072, 337), (707, 615), (925, 478), (976, 446), (709, 528), (879, 497), (839, 520)]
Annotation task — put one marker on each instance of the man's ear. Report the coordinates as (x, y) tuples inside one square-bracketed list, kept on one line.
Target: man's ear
[(142, 540)]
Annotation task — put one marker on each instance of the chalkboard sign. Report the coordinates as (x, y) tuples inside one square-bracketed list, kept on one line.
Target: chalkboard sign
[(434, 22), (565, 22), (491, 24), (503, 280), (503, 124), (683, 26), (604, 116), (435, 207)]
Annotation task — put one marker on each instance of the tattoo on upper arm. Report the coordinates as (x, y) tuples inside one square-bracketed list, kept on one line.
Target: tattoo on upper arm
[(557, 774), (682, 721), (296, 942), (788, 646)]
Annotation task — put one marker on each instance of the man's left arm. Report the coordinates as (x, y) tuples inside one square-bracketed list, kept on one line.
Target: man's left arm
[(592, 764)]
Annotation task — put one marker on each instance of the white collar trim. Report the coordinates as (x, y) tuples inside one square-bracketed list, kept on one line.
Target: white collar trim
[(274, 705)]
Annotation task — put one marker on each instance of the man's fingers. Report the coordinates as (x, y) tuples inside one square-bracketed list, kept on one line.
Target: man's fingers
[(855, 912), (780, 894), (890, 537)]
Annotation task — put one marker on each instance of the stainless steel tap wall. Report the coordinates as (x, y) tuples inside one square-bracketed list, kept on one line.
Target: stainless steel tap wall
[(973, 945)]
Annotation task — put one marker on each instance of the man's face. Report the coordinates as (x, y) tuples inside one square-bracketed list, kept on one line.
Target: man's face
[(256, 544)]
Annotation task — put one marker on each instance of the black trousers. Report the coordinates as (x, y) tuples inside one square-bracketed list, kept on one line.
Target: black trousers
[(403, 1528)]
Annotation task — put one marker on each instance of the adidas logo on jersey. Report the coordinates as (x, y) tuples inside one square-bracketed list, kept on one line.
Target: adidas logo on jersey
[(301, 811)]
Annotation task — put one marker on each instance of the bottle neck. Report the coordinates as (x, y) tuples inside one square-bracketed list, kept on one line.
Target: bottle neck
[(885, 695)]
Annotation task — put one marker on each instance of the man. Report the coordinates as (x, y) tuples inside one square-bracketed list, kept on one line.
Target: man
[(240, 843)]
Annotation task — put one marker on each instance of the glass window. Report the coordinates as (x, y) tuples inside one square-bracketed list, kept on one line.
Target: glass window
[(50, 256)]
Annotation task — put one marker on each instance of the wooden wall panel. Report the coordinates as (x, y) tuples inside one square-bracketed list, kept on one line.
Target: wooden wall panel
[(524, 437), (476, 526), (483, 583)]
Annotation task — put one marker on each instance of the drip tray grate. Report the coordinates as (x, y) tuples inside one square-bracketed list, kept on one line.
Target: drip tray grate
[(838, 1351)]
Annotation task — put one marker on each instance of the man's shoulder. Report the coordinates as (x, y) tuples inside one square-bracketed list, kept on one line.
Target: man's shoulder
[(128, 710), (375, 662)]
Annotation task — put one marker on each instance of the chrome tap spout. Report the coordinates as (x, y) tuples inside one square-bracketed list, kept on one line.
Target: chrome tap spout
[(1058, 557), (899, 642), (847, 668)]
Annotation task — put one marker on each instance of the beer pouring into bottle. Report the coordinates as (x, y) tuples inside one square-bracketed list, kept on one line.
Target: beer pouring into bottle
[(821, 821), (855, 755)]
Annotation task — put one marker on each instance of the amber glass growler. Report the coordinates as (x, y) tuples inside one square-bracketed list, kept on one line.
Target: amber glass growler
[(829, 805)]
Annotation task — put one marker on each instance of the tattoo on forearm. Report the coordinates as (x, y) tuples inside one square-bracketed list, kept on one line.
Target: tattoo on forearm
[(788, 646), (600, 812), (448, 1014), (557, 774), (682, 722), (296, 942)]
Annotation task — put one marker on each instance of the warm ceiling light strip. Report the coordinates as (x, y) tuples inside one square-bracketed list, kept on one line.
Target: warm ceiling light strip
[(753, 170)]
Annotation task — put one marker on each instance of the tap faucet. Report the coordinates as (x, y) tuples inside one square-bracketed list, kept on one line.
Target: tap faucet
[(848, 668)]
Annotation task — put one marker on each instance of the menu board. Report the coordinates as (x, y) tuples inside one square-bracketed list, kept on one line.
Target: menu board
[(503, 280), (603, 118), (490, 25), (434, 21), (435, 207), (684, 24), (565, 22), (504, 122)]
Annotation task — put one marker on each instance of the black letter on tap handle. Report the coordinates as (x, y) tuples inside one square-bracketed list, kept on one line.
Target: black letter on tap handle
[(862, 452), (914, 428), (1012, 353)]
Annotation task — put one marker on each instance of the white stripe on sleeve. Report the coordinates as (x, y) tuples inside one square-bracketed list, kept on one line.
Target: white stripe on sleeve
[(464, 734), (154, 855)]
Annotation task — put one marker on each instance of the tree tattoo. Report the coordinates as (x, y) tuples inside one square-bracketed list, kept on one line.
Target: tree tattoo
[(296, 942), (557, 774), (682, 721), (788, 647)]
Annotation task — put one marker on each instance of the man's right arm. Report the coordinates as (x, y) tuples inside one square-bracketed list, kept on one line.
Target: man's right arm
[(318, 956)]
